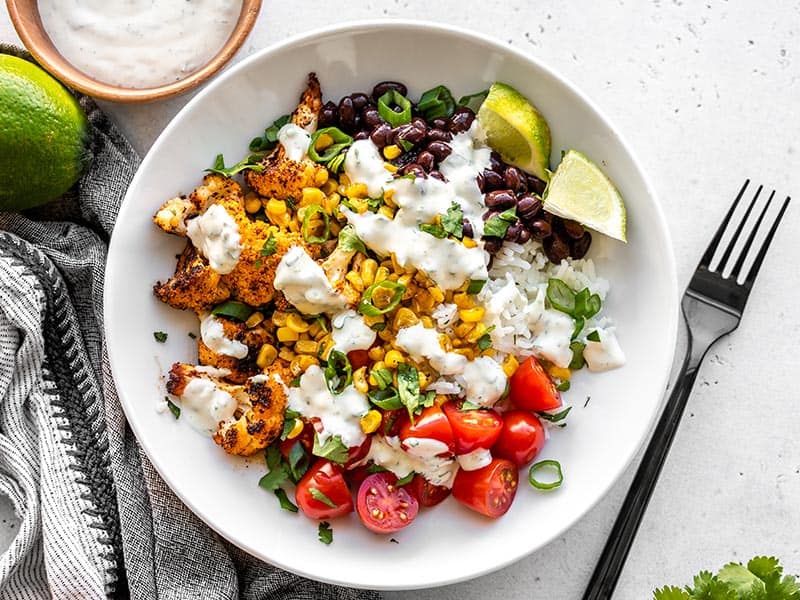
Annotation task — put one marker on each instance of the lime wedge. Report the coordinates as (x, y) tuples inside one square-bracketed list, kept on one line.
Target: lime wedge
[(516, 130), (580, 191)]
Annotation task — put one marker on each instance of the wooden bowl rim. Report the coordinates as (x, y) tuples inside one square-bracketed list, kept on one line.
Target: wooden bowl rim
[(25, 17)]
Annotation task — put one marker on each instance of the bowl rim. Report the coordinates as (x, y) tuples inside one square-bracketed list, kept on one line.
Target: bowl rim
[(49, 57), (353, 27)]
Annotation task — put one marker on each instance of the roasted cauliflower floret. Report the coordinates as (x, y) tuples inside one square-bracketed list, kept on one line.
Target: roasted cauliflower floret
[(174, 213), (282, 177), (195, 285), (258, 406), (240, 369), (336, 266)]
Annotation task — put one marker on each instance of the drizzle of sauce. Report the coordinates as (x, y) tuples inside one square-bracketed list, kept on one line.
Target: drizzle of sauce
[(216, 235), (205, 406), (350, 332), (605, 354), (477, 459), (295, 141), (139, 43), (213, 336), (305, 284), (388, 453)]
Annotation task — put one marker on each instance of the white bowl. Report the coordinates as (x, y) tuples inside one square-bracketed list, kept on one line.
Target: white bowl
[(447, 543)]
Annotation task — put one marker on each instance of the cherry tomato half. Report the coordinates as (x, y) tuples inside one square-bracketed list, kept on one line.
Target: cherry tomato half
[(532, 389), (358, 358), (489, 490), (521, 439), (326, 478), (473, 429), (383, 506), (432, 424), (426, 493), (357, 453)]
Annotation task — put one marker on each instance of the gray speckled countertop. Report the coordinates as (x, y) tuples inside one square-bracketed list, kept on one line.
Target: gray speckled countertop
[(707, 93)]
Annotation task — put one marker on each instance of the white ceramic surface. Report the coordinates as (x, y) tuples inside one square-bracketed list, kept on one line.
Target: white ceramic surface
[(447, 543)]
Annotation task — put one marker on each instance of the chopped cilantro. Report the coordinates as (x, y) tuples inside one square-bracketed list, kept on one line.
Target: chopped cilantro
[(286, 504), (249, 162), (382, 376), (453, 221), (497, 225), (435, 230), (555, 417), (475, 286), (349, 241), (594, 336), (408, 386), (333, 449), (160, 336), (406, 479), (269, 248), (577, 361), (192, 335), (320, 496), (325, 532)]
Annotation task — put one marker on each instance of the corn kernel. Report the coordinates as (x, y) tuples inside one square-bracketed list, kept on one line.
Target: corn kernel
[(321, 177), (286, 334), (355, 280), (286, 354), (386, 212), (445, 342), (404, 318), (392, 151), (390, 167), (314, 329), (381, 274), (266, 356), (323, 141), (387, 335), (404, 280), (297, 429), (312, 195), (357, 190), (332, 202), (437, 294), (344, 179), (423, 380), (369, 320), (462, 330), (473, 336), (276, 207), (469, 353), (360, 380), (279, 318), (510, 365), (299, 364), (296, 323), (252, 203), (559, 373), (471, 315), (427, 321), (254, 319), (376, 353), (368, 269), (306, 347), (393, 358), (329, 187), (469, 242), (326, 344), (370, 421), (463, 300), (424, 301)]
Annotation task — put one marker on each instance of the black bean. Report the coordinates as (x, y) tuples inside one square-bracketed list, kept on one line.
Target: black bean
[(347, 114), (492, 244), (513, 231), (436, 175), (489, 214), (528, 207), (384, 86), (371, 117), (439, 135), (420, 124), (500, 199), (461, 120), (524, 236), (479, 179), (426, 160), (408, 133), (442, 123), (380, 135), (556, 249), (360, 100), (467, 229), (492, 180), (540, 229), (579, 247), (496, 163), (515, 180), (361, 135), (415, 169), (328, 115), (573, 229), (536, 185), (440, 150), (406, 158)]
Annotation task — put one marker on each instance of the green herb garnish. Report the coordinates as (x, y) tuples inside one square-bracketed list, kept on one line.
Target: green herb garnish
[(436, 103), (387, 398), (249, 162), (308, 235), (325, 532), (435, 230), (394, 108), (406, 479), (341, 141), (338, 372), (366, 307), (333, 449), (173, 408), (270, 138), (233, 309), (555, 417), (286, 504), (382, 376), (470, 99), (475, 286), (577, 361), (349, 241), (550, 465), (408, 387), (453, 221), (594, 336), (320, 496), (497, 225), (161, 336), (269, 248)]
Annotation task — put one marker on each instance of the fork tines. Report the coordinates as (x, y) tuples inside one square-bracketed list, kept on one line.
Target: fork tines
[(722, 266)]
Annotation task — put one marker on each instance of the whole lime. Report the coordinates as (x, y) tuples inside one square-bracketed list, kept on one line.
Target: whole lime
[(44, 136)]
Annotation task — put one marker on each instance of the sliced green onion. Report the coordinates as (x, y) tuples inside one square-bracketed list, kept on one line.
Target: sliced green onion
[(338, 372), (386, 108), (545, 464), (579, 323), (337, 162), (577, 361), (470, 98), (382, 376), (561, 296), (340, 141), (238, 311), (475, 286), (436, 103), (594, 336), (316, 209), (173, 408), (555, 417), (387, 399), (367, 308)]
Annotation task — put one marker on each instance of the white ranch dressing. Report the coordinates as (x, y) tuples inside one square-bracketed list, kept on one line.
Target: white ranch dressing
[(421, 343), (484, 381), (424, 448), (339, 414), (606, 354), (350, 332), (139, 43), (388, 453), (477, 459), (295, 141), (213, 335), (305, 284), (216, 235), (205, 406)]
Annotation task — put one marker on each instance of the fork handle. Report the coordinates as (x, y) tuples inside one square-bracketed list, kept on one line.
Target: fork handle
[(612, 560)]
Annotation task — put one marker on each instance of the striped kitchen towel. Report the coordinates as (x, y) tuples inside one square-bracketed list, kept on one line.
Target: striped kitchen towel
[(96, 520)]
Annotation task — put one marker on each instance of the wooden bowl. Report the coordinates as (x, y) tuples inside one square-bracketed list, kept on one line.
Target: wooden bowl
[(25, 16)]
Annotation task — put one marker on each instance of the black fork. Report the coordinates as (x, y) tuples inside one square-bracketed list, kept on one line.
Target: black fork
[(712, 307)]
